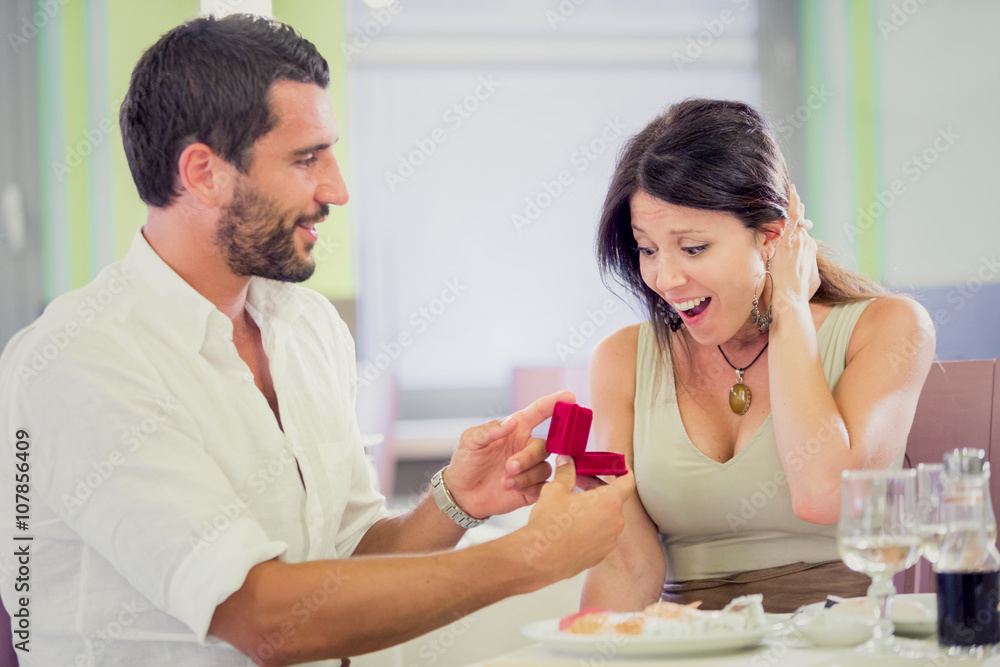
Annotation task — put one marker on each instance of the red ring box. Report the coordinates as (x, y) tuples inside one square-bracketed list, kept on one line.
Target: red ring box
[(568, 435)]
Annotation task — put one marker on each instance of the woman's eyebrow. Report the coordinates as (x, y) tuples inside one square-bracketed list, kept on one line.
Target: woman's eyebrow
[(675, 232)]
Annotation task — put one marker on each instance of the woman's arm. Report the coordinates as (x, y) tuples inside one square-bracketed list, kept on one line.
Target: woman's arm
[(631, 577), (864, 422)]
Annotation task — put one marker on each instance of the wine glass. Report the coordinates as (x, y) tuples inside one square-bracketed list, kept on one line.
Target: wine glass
[(879, 535), (932, 527)]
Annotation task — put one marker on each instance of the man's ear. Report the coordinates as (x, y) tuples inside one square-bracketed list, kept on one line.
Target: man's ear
[(771, 233), (205, 175)]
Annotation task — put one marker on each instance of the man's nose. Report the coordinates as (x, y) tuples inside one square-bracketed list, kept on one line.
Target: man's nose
[(332, 189)]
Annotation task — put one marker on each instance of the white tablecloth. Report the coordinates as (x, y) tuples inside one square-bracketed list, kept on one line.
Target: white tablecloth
[(774, 652)]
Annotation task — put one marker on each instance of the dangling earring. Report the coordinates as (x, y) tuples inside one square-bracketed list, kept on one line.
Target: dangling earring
[(763, 322), (670, 316)]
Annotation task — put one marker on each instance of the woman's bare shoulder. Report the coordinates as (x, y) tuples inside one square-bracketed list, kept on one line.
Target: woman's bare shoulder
[(625, 341), (612, 365), (891, 319)]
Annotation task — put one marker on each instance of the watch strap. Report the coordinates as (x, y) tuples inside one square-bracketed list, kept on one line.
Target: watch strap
[(448, 505)]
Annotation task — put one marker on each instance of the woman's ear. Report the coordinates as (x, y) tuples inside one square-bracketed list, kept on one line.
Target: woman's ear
[(771, 233)]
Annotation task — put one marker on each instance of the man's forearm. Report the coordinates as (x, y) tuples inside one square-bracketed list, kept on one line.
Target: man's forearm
[(291, 613), (423, 529)]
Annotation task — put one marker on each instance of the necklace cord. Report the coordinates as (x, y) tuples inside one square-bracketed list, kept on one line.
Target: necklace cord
[(740, 370)]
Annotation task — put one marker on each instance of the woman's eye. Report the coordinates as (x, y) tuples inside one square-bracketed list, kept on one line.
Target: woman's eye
[(694, 250), (645, 252)]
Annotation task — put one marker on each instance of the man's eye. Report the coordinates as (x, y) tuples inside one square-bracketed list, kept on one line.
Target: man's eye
[(308, 161), (694, 250)]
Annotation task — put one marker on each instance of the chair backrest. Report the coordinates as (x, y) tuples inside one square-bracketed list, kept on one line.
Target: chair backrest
[(8, 656), (958, 407), (528, 384)]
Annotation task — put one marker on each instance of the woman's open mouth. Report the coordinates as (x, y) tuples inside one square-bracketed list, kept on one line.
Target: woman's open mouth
[(690, 310)]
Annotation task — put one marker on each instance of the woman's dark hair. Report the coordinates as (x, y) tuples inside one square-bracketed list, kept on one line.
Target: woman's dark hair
[(708, 154), (207, 81)]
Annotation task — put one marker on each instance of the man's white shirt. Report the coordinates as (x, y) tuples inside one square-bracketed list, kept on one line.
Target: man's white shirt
[(160, 475)]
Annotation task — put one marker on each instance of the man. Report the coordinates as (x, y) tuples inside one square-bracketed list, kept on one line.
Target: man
[(198, 493)]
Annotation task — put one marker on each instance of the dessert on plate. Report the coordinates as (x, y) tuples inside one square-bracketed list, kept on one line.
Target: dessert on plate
[(667, 619)]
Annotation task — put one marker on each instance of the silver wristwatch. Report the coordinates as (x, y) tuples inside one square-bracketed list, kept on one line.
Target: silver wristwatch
[(448, 505)]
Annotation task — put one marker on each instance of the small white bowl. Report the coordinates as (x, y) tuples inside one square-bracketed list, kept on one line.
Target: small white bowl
[(829, 629)]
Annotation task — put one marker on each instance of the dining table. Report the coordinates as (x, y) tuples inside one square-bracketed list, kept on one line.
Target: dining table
[(780, 648)]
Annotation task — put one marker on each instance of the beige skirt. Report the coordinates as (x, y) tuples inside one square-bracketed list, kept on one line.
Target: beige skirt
[(785, 588)]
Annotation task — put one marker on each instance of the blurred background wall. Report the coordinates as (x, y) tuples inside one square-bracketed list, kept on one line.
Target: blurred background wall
[(478, 140)]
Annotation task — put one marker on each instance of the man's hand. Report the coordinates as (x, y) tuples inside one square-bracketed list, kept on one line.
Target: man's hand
[(569, 532), (498, 467)]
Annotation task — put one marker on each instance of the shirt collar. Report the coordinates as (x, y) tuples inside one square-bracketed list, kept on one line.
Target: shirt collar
[(189, 314), (273, 299)]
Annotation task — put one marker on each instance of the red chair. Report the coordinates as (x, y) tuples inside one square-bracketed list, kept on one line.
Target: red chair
[(958, 405), (8, 656), (529, 384)]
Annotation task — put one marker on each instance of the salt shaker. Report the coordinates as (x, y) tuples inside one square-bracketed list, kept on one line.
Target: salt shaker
[(968, 568)]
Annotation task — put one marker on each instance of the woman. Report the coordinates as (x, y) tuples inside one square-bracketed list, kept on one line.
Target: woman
[(764, 371)]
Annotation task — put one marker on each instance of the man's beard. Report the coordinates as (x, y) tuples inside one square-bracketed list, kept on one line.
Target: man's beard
[(257, 239)]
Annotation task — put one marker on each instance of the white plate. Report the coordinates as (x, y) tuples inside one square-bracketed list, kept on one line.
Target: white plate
[(548, 635), (909, 627)]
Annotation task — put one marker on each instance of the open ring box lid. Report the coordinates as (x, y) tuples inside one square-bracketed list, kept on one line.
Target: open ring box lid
[(568, 435)]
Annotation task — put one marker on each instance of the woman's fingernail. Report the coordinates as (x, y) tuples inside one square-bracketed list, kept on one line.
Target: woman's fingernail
[(508, 483), (515, 466)]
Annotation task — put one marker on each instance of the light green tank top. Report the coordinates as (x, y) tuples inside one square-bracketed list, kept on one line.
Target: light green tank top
[(717, 519)]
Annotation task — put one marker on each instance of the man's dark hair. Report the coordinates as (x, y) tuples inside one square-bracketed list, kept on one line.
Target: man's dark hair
[(207, 81)]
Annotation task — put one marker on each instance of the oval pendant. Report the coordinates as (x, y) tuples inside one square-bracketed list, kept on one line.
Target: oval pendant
[(739, 398)]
